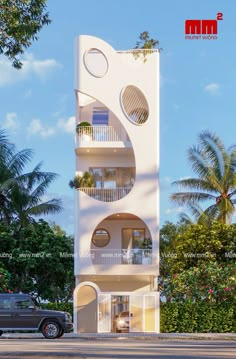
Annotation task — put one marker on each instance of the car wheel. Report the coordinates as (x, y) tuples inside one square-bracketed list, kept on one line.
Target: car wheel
[(51, 329), (61, 333), (1, 332)]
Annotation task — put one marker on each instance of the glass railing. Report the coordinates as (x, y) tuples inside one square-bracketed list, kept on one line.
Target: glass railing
[(106, 194), (121, 256)]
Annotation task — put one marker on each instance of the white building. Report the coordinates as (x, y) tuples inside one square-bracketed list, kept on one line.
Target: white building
[(115, 272)]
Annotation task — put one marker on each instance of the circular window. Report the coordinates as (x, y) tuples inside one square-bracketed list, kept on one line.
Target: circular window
[(96, 62), (101, 237), (134, 105)]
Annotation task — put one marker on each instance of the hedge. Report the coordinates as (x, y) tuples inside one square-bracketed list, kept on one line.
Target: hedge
[(198, 317), (185, 317), (65, 307)]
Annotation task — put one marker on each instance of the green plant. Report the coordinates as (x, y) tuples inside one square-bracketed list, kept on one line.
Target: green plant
[(198, 317), (145, 46), (146, 245), (87, 180), (84, 128)]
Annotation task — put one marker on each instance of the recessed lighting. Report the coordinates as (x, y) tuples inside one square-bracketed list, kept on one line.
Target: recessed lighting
[(87, 150), (114, 150)]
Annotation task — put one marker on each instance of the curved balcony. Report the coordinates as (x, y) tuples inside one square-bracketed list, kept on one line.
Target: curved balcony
[(121, 256), (106, 194), (102, 136)]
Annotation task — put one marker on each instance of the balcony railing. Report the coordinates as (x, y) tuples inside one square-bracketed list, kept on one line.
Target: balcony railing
[(106, 194), (100, 134), (121, 256)]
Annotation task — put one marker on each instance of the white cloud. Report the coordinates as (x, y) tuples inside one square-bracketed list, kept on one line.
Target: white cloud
[(31, 67), (212, 88), (36, 128), (63, 125), (11, 123), (67, 125), (28, 94), (176, 107), (174, 210)]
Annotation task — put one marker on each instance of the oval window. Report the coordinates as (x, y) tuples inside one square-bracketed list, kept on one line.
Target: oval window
[(101, 237), (134, 105), (96, 62)]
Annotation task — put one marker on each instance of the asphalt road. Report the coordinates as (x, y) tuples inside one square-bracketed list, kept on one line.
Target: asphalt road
[(116, 349)]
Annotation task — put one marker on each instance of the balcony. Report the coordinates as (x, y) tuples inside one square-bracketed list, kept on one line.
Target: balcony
[(106, 194), (121, 256), (102, 136)]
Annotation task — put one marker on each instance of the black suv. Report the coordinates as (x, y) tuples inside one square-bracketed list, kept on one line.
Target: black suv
[(20, 312)]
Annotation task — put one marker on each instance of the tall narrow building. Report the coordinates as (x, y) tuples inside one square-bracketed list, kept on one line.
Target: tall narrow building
[(117, 199)]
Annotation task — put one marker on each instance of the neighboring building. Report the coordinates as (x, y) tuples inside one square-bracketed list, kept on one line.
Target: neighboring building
[(116, 274)]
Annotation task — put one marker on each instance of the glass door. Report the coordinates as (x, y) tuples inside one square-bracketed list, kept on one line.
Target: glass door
[(104, 313)]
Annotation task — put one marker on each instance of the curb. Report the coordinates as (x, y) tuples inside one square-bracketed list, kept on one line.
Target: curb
[(140, 336)]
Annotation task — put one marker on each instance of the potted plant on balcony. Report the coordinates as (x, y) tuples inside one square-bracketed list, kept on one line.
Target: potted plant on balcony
[(85, 131), (85, 181), (146, 246)]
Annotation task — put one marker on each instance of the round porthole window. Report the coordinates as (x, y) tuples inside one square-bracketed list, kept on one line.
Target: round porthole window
[(134, 105), (101, 237), (96, 62)]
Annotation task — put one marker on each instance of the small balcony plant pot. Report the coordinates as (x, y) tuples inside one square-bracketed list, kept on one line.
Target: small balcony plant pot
[(84, 131)]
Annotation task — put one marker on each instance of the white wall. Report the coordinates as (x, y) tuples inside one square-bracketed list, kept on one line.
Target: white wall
[(143, 199)]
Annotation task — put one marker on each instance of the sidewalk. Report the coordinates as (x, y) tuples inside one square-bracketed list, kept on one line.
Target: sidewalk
[(140, 336)]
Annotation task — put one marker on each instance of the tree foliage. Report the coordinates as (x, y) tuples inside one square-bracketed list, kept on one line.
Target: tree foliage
[(198, 262), (20, 23), (39, 260), (21, 193), (215, 167)]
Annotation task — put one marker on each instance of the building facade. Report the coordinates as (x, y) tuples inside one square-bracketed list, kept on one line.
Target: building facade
[(117, 199)]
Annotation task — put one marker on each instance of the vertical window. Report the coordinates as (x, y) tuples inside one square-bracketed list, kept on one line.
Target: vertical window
[(111, 178), (100, 116)]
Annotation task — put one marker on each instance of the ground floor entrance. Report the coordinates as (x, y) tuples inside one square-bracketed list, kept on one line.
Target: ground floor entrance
[(100, 312)]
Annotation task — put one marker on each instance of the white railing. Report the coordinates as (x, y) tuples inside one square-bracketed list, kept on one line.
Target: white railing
[(106, 194), (98, 133), (121, 256)]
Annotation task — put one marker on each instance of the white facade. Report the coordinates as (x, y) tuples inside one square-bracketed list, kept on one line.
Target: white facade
[(119, 96)]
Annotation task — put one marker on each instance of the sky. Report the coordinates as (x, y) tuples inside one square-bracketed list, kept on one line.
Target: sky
[(197, 87)]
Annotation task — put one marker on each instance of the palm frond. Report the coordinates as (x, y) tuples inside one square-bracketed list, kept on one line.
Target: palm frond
[(183, 198), (214, 150), (195, 183), (52, 206)]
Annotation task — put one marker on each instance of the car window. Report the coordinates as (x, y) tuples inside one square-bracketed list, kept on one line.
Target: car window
[(22, 303), (5, 303), (124, 314)]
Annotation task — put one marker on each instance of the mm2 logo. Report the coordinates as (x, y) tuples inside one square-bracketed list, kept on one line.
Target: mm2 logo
[(202, 29)]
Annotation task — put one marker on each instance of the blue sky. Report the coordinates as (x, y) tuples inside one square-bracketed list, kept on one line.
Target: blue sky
[(197, 84)]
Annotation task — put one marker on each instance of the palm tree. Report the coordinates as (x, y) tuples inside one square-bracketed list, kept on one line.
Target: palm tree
[(215, 168), (197, 216), (21, 194)]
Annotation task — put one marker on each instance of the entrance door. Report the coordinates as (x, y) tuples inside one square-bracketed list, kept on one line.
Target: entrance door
[(87, 310), (120, 316)]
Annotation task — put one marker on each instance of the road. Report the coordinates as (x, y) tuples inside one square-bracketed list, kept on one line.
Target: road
[(116, 349)]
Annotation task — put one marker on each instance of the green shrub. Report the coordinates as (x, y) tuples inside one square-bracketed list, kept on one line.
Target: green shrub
[(65, 307), (198, 317)]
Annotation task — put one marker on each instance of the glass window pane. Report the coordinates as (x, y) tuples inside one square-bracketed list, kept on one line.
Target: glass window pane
[(100, 116), (22, 303), (5, 303), (149, 312), (101, 237), (104, 313), (136, 310)]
